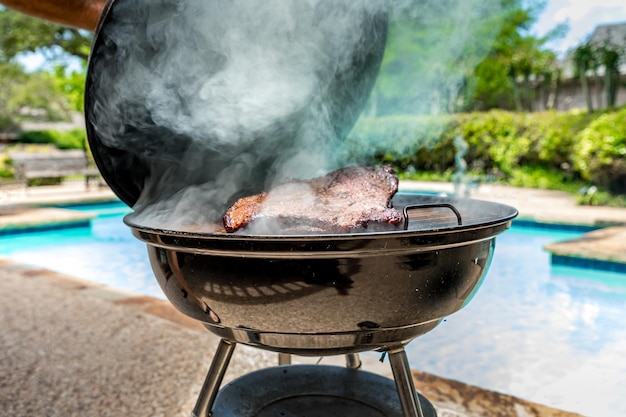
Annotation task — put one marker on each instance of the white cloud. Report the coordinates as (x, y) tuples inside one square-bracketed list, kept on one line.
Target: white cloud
[(581, 15)]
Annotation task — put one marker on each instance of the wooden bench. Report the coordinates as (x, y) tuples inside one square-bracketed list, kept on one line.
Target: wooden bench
[(52, 165)]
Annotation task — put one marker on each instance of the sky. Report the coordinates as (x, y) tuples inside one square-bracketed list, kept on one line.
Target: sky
[(581, 15)]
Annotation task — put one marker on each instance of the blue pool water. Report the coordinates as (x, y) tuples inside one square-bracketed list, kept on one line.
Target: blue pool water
[(105, 252), (552, 335)]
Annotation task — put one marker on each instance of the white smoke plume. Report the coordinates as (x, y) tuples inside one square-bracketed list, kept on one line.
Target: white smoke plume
[(197, 102)]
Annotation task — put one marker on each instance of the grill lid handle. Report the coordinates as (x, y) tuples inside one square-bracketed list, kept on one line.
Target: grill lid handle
[(406, 209)]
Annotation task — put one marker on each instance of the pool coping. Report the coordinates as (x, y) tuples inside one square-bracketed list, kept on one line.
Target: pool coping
[(580, 252), (18, 220), (41, 213), (602, 249)]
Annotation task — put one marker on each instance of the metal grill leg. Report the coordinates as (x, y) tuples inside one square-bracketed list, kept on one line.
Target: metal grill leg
[(404, 383), (284, 359), (353, 361), (213, 379)]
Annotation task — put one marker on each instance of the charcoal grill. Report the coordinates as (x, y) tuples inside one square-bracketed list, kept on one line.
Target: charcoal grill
[(330, 294), (310, 295)]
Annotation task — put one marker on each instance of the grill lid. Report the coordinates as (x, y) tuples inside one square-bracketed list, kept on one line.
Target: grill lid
[(137, 70)]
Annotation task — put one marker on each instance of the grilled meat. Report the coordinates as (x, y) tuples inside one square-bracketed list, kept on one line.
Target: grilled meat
[(343, 200)]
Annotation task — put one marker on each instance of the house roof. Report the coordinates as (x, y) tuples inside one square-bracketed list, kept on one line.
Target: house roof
[(612, 33)]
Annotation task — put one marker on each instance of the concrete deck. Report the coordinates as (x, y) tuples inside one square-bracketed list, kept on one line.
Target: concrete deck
[(75, 348)]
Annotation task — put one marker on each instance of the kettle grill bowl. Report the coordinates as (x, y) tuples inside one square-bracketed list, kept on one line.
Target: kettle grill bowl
[(322, 306), (324, 295)]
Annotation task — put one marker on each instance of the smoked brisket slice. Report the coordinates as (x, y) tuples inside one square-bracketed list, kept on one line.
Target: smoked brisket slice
[(341, 201)]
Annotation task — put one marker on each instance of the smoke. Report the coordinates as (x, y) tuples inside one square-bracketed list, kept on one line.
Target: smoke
[(194, 103), (432, 50)]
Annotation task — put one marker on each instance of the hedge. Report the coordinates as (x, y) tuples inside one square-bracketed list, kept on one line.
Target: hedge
[(70, 139), (588, 146), (600, 151)]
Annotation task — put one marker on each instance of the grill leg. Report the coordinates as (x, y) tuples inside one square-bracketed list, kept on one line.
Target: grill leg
[(213, 379), (284, 359), (353, 361), (404, 383)]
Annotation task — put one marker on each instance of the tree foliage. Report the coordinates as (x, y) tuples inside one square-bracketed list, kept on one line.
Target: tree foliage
[(20, 33), (432, 49), (610, 57), (588, 59), (36, 95), (49, 95), (442, 56), (455, 56), (517, 59), (584, 60)]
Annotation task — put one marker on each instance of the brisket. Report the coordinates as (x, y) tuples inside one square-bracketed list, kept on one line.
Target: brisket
[(343, 200)]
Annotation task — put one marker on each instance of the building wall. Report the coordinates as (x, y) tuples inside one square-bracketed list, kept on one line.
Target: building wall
[(570, 96)]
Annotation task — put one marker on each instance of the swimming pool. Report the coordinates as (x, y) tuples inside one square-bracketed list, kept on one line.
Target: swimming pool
[(105, 252), (552, 335)]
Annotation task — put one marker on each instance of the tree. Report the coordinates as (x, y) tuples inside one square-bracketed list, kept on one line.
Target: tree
[(48, 95), (547, 71), (609, 56), (20, 33), (10, 73), (523, 65), (34, 95), (503, 78), (584, 60), (431, 52)]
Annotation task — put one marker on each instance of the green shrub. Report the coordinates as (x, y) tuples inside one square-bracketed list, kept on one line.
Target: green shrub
[(545, 149), (36, 182), (494, 140), (529, 176), (6, 169), (600, 151), (555, 133), (402, 141), (8, 124), (70, 139), (602, 198)]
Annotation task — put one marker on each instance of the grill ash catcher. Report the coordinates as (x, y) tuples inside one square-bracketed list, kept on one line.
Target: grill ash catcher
[(309, 294)]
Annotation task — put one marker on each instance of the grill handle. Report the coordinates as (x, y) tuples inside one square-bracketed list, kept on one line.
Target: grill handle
[(406, 209)]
